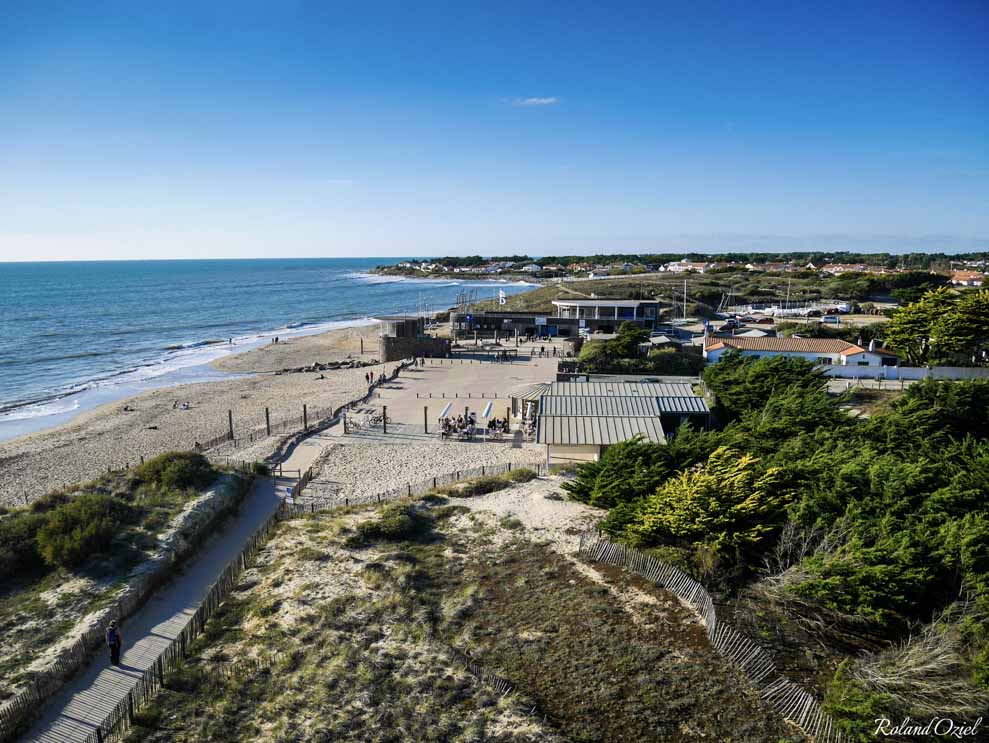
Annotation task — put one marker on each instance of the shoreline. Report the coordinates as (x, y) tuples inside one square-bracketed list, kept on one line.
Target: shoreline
[(107, 435), (64, 407)]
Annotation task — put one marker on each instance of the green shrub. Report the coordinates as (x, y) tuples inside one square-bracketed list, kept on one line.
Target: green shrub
[(854, 708), (521, 475), (177, 470), (397, 522), (80, 528), (18, 543), (478, 486)]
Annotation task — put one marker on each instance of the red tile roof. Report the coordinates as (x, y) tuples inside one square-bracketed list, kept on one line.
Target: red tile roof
[(791, 345)]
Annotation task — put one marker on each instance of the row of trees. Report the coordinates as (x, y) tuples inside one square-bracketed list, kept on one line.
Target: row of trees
[(942, 326), (891, 511), (622, 355)]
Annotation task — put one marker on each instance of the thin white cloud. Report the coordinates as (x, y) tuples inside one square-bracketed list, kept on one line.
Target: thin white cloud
[(550, 101), (340, 181)]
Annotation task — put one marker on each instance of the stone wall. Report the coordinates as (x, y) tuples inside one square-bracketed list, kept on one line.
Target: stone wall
[(391, 348)]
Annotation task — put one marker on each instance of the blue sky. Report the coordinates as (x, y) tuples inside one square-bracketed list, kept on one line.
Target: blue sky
[(282, 129)]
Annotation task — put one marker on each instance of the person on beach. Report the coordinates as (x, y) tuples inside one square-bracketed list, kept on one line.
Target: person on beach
[(113, 641)]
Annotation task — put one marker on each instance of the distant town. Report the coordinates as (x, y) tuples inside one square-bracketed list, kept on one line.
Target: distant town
[(962, 270)]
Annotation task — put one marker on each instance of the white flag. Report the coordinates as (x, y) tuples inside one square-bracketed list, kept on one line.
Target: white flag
[(501, 296)]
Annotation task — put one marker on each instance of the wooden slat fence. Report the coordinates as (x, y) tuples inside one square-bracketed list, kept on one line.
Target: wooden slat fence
[(424, 486), (119, 720), (792, 702), (314, 418), (22, 705), (15, 711)]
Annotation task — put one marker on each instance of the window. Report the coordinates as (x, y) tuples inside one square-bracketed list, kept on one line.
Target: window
[(825, 360), (863, 363)]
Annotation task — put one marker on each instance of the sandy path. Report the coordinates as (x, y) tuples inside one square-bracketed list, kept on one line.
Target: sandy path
[(540, 506)]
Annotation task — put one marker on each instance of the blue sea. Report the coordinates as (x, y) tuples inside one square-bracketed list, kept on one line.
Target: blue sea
[(74, 335)]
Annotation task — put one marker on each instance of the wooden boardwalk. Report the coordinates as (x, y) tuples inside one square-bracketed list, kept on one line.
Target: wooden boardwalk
[(75, 712)]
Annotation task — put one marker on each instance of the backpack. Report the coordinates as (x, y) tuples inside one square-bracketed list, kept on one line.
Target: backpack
[(112, 638)]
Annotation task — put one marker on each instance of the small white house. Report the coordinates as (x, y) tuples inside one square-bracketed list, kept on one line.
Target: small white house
[(821, 351)]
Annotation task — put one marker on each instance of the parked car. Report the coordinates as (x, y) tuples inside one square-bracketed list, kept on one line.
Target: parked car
[(831, 320)]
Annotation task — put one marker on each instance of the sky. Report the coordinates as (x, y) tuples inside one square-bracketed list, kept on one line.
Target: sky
[(296, 129)]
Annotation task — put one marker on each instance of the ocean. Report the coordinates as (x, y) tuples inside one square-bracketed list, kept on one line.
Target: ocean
[(78, 334)]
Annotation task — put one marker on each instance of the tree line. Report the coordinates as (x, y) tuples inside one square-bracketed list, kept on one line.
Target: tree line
[(881, 521)]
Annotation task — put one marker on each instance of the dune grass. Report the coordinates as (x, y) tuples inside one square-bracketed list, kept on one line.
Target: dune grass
[(368, 643)]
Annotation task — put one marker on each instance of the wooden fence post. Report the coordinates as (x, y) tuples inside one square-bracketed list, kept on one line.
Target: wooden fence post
[(305, 418), (230, 422), (425, 419), (384, 417), (267, 421)]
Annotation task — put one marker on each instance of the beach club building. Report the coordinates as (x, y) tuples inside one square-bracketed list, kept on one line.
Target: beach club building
[(577, 421), (820, 351), (568, 319)]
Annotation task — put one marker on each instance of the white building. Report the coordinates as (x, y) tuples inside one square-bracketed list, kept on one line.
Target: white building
[(684, 266), (967, 278), (821, 351)]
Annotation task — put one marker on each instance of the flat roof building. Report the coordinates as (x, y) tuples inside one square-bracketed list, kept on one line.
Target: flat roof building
[(568, 318)]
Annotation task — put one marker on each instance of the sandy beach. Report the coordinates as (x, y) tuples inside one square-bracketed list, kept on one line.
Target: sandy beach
[(336, 345), (109, 436)]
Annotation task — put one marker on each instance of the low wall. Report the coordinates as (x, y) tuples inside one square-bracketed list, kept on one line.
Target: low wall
[(906, 372), (391, 348)]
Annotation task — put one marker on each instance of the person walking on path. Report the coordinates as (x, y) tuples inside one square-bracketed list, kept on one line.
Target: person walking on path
[(113, 641)]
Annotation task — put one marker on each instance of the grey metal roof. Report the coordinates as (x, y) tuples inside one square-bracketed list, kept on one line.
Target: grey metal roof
[(620, 389), (692, 405), (575, 430), (532, 391), (628, 407)]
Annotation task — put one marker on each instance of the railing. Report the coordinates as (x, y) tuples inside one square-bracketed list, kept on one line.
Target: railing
[(18, 708), (792, 702), (424, 486), (14, 711), (310, 419), (119, 719)]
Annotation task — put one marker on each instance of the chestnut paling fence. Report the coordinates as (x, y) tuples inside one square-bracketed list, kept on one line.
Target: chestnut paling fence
[(311, 418), (118, 721), (793, 702), (415, 488), (16, 710)]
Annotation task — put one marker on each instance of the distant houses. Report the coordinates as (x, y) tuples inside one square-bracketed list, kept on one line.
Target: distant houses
[(967, 278), (821, 351)]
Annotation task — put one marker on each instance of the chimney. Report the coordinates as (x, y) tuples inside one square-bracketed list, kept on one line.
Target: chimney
[(872, 345)]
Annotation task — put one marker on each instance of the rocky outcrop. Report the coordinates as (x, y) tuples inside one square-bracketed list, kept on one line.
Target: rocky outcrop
[(328, 366)]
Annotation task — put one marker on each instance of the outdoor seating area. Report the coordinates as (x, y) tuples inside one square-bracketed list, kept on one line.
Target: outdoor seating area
[(462, 427)]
